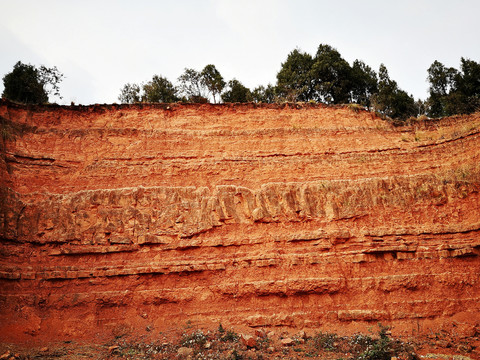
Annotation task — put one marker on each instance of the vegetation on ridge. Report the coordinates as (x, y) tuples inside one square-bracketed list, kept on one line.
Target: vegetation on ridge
[(325, 77), (31, 85)]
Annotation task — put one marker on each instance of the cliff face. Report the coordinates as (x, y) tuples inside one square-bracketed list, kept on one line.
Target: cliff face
[(123, 218)]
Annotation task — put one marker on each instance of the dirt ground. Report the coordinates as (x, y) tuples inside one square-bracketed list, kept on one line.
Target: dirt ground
[(222, 343)]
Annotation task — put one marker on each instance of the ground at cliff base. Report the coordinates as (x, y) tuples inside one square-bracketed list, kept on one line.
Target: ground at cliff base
[(226, 344)]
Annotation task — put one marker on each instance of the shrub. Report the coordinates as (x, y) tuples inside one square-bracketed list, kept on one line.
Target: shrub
[(231, 336), (356, 108), (195, 339)]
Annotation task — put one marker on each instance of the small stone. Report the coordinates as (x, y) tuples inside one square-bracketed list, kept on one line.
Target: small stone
[(287, 342), (44, 349), (112, 348), (208, 345), (271, 349), (6, 355), (185, 351), (248, 340), (271, 334), (260, 333)]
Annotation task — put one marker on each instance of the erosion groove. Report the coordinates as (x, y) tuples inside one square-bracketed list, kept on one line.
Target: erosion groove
[(305, 216)]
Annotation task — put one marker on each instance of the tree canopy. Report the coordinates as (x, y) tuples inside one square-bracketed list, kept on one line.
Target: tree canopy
[(157, 90), (364, 83), (192, 85), (331, 76), (325, 77), (213, 80), (390, 100), (31, 85), (294, 80), (453, 91), (130, 93), (237, 92)]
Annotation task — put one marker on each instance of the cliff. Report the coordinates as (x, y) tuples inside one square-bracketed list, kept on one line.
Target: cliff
[(125, 218)]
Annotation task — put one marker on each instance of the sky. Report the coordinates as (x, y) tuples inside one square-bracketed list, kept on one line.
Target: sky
[(100, 45)]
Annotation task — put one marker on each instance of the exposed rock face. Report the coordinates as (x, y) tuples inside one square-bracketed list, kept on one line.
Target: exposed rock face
[(118, 218)]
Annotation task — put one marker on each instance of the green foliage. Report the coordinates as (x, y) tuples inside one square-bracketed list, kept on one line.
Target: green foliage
[(327, 77), (390, 100), (129, 94), (237, 92), (213, 80), (379, 349), (159, 89), (226, 335), (364, 83), (194, 339), (192, 85), (452, 91), (235, 355), (262, 94), (325, 341), (356, 108), (331, 76), (30, 85), (294, 80), (230, 336), (330, 79)]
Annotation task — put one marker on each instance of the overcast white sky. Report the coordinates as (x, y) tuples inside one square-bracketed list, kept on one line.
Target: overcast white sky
[(102, 44)]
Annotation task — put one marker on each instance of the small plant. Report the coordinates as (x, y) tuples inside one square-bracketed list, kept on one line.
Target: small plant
[(361, 341), (236, 356), (322, 342), (418, 136), (195, 339), (356, 108), (263, 343), (380, 349), (230, 336), (220, 329)]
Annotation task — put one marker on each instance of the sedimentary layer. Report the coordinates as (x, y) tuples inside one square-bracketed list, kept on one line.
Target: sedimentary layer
[(132, 218)]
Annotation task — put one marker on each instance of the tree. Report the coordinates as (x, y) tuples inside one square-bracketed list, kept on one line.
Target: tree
[(331, 76), (469, 82), (452, 91), (237, 92), (264, 94), (364, 83), (468, 85), (31, 85), (192, 85), (441, 79), (294, 80), (390, 99), (129, 94), (159, 89), (442, 82), (213, 80)]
